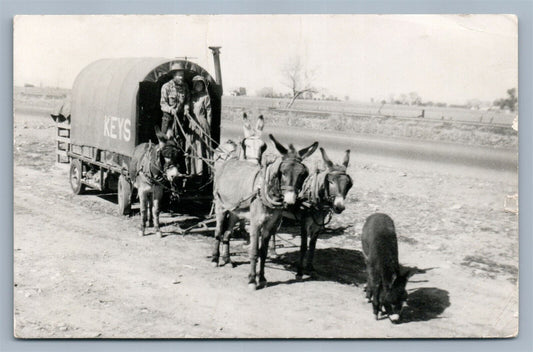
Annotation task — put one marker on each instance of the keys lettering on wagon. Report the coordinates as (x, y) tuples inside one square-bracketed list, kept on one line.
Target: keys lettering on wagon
[(117, 128)]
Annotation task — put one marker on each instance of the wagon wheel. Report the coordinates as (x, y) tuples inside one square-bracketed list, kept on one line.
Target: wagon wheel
[(124, 196), (75, 176)]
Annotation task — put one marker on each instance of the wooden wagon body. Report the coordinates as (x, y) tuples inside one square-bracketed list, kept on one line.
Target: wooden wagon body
[(114, 107)]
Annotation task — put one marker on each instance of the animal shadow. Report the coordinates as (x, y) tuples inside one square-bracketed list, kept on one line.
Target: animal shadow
[(334, 232), (424, 304), (293, 227), (345, 266), (110, 197), (190, 225)]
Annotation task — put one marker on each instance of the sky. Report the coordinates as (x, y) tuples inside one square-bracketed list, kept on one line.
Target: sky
[(444, 58)]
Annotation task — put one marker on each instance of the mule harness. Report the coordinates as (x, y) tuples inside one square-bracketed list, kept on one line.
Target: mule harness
[(146, 161), (262, 191), (313, 199)]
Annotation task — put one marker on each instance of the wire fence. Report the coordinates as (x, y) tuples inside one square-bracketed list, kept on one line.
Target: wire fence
[(452, 114)]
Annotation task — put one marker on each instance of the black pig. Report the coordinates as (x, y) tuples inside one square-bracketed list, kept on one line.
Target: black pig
[(385, 284)]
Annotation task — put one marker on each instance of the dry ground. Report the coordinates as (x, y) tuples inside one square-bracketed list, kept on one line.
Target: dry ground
[(82, 271)]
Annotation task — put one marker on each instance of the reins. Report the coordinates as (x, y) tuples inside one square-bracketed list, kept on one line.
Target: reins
[(203, 134), (210, 163)]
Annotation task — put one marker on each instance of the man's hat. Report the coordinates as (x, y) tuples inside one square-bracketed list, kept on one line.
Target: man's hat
[(176, 66)]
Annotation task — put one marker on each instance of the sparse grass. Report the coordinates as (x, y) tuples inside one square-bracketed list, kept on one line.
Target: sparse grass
[(407, 240), (485, 264), (433, 130)]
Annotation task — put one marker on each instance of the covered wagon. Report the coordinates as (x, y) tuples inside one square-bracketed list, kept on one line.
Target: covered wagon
[(115, 106)]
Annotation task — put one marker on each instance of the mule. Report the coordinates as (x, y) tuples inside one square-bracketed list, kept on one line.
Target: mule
[(323, 193), (152, 169), (244, 190), (251, 149)]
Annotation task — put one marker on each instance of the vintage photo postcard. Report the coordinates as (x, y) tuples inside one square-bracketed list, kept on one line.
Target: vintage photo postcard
[(266, 176)]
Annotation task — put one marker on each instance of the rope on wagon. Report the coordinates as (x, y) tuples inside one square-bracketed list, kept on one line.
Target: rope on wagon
[(210, 163)]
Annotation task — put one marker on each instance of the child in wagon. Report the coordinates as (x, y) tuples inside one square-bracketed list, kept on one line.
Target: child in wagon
[(201, 126)]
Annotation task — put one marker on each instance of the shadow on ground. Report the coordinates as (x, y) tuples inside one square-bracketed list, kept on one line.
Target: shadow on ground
[(424, 304), (110, 197), (345, 266), (292, 227)]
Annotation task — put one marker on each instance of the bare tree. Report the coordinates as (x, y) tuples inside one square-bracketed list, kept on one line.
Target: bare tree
[(298, 78)]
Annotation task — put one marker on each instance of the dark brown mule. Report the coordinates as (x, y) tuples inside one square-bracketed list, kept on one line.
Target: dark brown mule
[(247, 191), (151, 166), (323, 192)]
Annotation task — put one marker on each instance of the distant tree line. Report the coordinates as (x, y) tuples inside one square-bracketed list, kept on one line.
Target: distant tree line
[(411, 99), (510, 102), (268, 92)]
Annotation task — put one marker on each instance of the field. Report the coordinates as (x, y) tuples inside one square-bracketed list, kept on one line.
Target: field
[(82, 271), (472, 127), (389, 110), (440, 124)]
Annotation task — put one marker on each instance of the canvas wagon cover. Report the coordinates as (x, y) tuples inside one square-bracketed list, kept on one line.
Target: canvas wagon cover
[(104, 100)]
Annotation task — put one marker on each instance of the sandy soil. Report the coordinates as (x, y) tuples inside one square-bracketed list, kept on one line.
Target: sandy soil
[(80, 270)]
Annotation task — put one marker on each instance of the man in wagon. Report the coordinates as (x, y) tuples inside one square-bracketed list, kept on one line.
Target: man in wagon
[(173, 101)]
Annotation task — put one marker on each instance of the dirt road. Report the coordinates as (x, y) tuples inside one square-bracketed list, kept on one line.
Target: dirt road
[(82, 271)]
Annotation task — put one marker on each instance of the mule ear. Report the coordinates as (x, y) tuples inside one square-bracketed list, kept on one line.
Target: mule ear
[(407, 272), (306, 152), (327, 160), (260, 124), (411, 272), (278, 145), (346, 160), (247, 128)]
